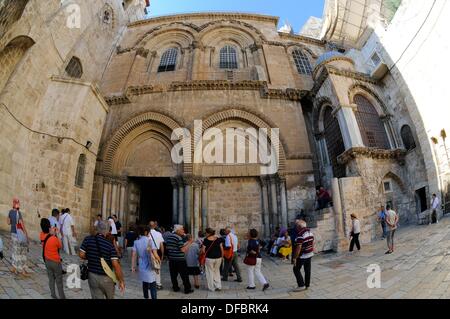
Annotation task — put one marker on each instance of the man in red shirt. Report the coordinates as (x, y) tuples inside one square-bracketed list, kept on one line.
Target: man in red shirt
[(323, 198), (50, 253)]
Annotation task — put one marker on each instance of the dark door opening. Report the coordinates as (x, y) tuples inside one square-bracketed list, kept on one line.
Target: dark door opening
[(156, 201), (421, 196)]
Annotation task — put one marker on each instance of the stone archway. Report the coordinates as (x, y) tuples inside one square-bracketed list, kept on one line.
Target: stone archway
[(137, 166)]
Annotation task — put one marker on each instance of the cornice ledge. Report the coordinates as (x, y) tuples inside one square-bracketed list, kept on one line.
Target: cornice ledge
[(336, 58), (353, 75), (301, 38), (300, 156), (216, 85), (288, 94), (207, 15), (118, 99), (374, 153)]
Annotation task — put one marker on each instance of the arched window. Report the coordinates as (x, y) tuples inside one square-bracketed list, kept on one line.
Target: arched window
[(228, 58), (302, 62), (335, 142), (81, 169), (74, 69), (168, 60), (372, 128), (408, 138)]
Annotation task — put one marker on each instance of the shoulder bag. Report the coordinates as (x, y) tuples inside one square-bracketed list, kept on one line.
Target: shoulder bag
[(250, 259), (21, 237), (109, 272), (228, 252), (44, 243), (202, 257), (156, 264)]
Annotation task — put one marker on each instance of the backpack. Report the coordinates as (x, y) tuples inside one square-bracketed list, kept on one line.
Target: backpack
[(228, 252)]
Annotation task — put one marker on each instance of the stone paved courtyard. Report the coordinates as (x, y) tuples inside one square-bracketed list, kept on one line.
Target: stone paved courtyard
[(420, 268)]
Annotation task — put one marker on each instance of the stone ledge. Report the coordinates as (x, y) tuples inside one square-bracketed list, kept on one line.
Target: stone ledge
[(375, 153), (208, 85)]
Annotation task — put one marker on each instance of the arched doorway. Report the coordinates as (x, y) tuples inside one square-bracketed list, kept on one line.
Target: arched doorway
[(138, 171)]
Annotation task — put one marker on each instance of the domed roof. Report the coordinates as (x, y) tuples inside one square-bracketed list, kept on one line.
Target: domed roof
[(328, 56)]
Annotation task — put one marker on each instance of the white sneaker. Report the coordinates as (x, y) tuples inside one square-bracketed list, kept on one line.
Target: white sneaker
[(299, 289)]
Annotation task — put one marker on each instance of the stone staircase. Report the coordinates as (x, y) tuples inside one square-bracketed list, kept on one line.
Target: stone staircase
[(313, 218), (322, 225)]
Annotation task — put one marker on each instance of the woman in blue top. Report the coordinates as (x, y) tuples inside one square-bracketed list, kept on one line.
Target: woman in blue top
[(146, 272)]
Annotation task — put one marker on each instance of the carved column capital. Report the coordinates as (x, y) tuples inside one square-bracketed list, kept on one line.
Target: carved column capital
[(255, 47), (142, 52), (264, 180)]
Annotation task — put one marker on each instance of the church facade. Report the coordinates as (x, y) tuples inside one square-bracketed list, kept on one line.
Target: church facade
[(90, 107)]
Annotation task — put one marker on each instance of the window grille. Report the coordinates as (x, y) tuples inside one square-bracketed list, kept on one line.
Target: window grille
[(302, 62), (168, 60), (228, 58), (335, 142), (370, 125)]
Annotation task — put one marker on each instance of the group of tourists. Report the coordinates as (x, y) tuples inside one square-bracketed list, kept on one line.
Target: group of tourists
[(388, 219), (147, 246)]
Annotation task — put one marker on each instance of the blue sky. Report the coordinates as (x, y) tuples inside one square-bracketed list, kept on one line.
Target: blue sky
[(296, 12)]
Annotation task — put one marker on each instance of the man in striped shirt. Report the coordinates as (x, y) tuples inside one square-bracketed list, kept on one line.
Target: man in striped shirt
[(92, 249), (176, 249), (303, 253)]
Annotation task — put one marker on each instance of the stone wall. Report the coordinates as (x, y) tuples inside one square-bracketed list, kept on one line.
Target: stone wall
[(237, 202), (49, 118), (425, 55)]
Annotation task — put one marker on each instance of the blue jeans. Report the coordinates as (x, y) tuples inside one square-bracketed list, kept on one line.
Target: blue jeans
[(149, 286)]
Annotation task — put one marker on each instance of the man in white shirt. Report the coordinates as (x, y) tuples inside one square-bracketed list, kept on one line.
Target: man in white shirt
[(392, 222), (54, 222), (354, 234), (112, 225), (67, 228), (231, 241), (158, 240), (435, 203)]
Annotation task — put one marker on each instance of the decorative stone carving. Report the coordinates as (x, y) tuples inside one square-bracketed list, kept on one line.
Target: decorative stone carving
[(349, 155)]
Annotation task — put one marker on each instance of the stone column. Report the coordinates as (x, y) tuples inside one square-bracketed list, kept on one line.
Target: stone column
[(260, 61), (340, 243), (197, 186), (180, 218), (265, 206), (195, 61), (122, 201), (283, 199), (187, 203), (274, 203), (113, 198), (205, 221), (105, 197), (108, 198), (349, 126), (390, 132), (151, 61), (119, 183), (174, 200)]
